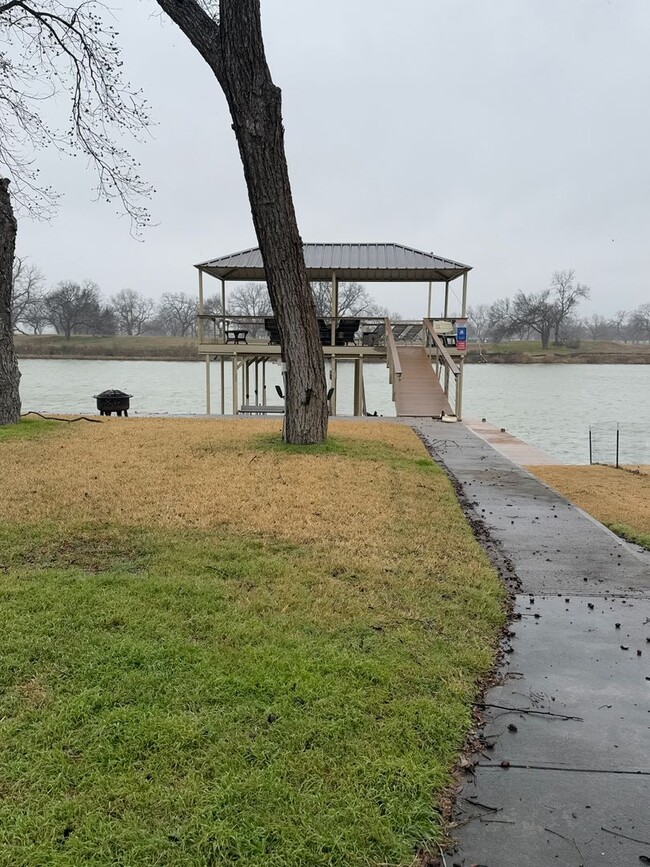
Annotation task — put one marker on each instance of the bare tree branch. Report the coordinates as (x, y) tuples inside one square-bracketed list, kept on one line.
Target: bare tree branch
[(51, 49)]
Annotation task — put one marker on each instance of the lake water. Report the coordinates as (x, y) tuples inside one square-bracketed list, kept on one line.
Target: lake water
[(550, 406)]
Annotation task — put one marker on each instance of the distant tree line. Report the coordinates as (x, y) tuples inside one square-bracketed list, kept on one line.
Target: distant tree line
[(72, 308), (551, 316)]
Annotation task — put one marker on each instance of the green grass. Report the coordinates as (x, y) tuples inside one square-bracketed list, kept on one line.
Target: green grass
[(631, 534), (597, 349), (176, 698), (360, 449), (276, 673), (27, 428)]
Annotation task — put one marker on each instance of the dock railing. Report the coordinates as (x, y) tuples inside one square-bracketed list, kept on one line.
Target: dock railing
[(348, 330), (392, 356), (447, 371), (442, 353)]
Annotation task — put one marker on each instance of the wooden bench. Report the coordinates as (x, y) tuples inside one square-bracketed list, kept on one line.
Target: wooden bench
[(258, 409)]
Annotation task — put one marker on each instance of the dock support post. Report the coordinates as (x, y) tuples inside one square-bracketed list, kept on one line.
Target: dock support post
[(234, 384), (335, 306), (463, 309), (446, 312), (264, 382), (223, 385), (333, 383), (223, 310), (459, 391), (446, 380), (257, 382), (207, 383), (200, 329), (358, 385), (246, 383), (429, 302)]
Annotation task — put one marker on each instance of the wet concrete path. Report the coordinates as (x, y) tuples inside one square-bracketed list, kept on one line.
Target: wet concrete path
[(564, 775)]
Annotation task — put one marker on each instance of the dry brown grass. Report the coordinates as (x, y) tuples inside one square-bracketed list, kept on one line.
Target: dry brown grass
[(192, 473), (617, 498)]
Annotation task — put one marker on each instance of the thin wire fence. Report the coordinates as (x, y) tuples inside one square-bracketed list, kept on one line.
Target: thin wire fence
[(619, 444)]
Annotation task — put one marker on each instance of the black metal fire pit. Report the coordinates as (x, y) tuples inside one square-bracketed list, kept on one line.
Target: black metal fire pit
[(113, 400)]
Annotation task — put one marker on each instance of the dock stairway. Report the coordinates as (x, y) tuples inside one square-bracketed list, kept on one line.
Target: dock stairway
[(416, 388)]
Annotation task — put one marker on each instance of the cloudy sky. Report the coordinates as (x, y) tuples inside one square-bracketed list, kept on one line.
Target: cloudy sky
[(512, 135)]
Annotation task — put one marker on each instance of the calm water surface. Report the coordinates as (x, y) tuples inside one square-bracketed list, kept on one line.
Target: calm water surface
[(551, 406)]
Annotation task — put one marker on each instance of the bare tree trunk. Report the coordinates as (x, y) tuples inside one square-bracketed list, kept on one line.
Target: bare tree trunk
[(234, 50), (545, 334), (9, 373)]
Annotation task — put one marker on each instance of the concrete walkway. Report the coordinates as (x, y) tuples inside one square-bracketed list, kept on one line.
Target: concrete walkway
[(564, 775)]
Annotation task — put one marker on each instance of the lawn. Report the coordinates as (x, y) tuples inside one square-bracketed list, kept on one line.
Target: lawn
[(219, 650), (618, 498)]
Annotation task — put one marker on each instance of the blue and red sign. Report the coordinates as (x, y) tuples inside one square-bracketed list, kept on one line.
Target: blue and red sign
[(461, 337)]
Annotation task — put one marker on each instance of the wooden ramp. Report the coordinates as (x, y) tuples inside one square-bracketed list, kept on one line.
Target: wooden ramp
[(418, 392)]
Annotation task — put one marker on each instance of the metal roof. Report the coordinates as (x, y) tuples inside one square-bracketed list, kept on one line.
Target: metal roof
[(369, 262)]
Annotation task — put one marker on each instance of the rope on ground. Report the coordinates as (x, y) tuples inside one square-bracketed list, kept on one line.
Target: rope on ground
[(55, 418)]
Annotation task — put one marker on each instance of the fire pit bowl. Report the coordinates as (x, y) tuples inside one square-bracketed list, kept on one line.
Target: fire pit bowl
[(113, 400)]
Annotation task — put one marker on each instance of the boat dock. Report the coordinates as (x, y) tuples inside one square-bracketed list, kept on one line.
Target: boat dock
[(425, 357)]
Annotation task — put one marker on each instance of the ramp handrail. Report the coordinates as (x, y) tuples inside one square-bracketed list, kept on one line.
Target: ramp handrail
[(392, 355), (442, 349)]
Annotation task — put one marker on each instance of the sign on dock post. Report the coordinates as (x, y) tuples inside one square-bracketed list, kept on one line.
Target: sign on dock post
[(461, 337)]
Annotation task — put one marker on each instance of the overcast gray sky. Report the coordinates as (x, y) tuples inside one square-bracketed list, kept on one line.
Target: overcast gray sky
[(512, 135)]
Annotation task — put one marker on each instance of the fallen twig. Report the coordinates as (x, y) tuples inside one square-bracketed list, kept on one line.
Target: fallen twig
[(484, 806), (625, 837), (567, 840), (498, 822), (55, 418), (470, 819), (530, 710)]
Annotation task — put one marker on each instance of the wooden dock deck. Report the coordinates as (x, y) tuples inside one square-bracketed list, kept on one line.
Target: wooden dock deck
[(418, 391)]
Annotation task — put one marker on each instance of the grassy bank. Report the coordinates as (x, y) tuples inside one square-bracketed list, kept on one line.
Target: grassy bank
[(620, 499), (218, 650), (587, 352), (86, 346)]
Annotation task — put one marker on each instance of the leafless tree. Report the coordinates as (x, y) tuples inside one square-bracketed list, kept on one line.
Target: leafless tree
[(74, 308), (354, 300), (566, 294), (27, 296), (52, 48), (640, 322), (532, 312), (228, 36), (501, 323), (478, 319), (598, 327), (133, 311), (251, 299), (63, 50), (620, 322), (177, 313)]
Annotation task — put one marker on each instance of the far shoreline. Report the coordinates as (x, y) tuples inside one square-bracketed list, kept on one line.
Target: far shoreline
[(51, 347)]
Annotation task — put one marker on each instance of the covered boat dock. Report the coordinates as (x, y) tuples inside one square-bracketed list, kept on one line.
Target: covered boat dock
[(425, 357)]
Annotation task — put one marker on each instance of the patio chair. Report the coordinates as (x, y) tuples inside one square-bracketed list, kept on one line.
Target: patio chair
[(373, 337), (325, 331), (411, 333), (398, 329), (271, 326), (346, 330)]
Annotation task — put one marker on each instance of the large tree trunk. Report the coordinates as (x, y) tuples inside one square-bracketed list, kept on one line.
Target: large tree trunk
[(234, 50), (9, 373)]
